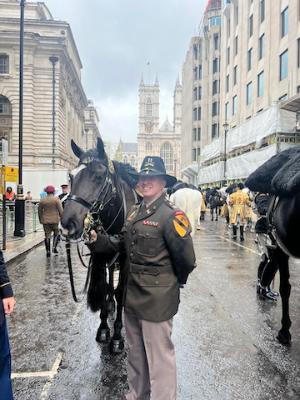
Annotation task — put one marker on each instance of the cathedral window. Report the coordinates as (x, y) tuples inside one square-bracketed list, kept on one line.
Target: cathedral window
[(166, 153), (149, 107), (148, 148)]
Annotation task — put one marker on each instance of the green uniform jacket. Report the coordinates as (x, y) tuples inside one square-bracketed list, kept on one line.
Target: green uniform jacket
[(159, 259)]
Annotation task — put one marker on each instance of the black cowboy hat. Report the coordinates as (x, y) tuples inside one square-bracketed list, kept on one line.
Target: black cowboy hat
[(154, 166)]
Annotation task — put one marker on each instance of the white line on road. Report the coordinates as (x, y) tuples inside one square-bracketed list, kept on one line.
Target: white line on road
[(239, 245), (53, 373)]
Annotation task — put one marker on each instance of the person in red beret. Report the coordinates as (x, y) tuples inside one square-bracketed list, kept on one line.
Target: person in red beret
[(50, 211)]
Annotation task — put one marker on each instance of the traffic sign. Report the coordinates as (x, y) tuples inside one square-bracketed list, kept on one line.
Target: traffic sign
[(11, 174)]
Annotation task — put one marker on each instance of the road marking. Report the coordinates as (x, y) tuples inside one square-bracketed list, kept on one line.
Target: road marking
[(239, 245), (40, 374), (54, 371)]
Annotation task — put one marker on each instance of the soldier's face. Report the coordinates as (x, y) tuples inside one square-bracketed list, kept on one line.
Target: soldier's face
[(151, 187)]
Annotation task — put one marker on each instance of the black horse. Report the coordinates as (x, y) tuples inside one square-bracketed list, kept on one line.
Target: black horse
[(101, 193), (280, 177), (215, 202)]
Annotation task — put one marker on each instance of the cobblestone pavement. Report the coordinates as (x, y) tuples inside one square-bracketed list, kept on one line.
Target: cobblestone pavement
[(224, 335)]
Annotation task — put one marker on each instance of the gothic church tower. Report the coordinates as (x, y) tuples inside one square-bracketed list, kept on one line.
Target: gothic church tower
[(148, 107)]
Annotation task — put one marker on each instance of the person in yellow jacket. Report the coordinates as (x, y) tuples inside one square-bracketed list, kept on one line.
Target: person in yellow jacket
[(239, 201)]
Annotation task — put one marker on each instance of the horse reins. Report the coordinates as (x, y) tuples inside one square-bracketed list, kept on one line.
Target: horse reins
[(95, 208)]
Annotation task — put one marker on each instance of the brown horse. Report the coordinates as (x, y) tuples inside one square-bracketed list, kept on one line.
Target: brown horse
[(280, 177), (101, 193)]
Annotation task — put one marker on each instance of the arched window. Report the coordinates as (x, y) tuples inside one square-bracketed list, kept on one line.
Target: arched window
[(148, 107), (148, 148), (6, 120), (5, 107), (166, 153)]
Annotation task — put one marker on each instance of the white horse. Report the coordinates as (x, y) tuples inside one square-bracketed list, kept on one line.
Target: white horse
[(189, 201)]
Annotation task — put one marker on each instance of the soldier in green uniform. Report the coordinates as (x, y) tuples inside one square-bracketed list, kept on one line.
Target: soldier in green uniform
[(160, 256)]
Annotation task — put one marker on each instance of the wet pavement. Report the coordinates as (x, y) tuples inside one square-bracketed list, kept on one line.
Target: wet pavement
[(224, 335)]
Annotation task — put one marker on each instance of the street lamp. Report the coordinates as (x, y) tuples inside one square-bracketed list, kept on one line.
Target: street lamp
[(225, 126), (53, 60), (20, 201)]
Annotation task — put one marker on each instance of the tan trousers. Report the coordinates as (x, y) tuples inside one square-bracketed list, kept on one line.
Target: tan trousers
[(151, 360)]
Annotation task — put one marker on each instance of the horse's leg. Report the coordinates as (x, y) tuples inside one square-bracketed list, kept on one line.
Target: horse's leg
[(110, 300), (117, 342), (212, 213), (284, 335), (217, 212), (103, 333)]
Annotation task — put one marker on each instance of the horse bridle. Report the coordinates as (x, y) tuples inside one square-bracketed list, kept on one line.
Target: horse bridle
[(104, 188)]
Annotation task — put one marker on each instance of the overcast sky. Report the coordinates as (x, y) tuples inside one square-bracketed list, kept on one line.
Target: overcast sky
[(116, 39)]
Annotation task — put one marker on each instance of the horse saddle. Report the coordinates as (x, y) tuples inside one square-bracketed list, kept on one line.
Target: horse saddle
[(280, 175)]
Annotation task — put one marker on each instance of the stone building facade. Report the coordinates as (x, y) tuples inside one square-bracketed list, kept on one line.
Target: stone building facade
[(259, 88), (156, 140), (48, 45), (201, 91)]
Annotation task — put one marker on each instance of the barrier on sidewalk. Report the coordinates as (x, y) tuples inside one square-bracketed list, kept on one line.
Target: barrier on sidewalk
[(32, 223)]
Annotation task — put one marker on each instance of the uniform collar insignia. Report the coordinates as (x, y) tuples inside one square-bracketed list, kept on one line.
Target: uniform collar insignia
[(150, 223)]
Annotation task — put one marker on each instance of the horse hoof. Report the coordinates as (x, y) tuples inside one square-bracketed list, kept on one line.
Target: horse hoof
[(103, 335), (284, 338), (116, 346)]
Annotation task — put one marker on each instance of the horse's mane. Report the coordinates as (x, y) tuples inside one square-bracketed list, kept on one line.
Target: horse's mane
[(279, 175), (123, 170)]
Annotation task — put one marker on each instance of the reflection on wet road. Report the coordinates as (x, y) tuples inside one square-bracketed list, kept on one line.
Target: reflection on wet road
[(224, 335)]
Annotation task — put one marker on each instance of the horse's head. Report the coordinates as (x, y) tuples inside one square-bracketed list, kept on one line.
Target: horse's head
[(88, 182)]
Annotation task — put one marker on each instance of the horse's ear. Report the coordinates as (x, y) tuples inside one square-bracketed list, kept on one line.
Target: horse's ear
[(76, 149), (100, 149)]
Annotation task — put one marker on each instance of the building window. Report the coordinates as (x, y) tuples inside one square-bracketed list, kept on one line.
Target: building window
[(166, 153), (199, 93), (284, 22), (262, 10), (298, 53), (194, 134), (195, 114), (228, 55), (215, 87), (226, 111), (195, 73), (215, 65), (4, 105), (213, 21), (195, 51), (198, 134), (214, 131), (261, 46), (148, 107), (227, 83), (4, 64), (215, 109), (199, 114), (194, 154), (195, 93), (236, 14), (216, 41), (228, 27), (234, 104), (236, 45), (260, 84), (235, 75), (249, 94), (283, 72), (250, 27), (249, 59), (199, 72)]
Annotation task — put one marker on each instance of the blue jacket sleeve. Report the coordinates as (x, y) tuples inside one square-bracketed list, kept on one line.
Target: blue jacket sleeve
[(5, 286)]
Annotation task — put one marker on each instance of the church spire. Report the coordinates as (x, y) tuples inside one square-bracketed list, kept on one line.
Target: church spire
[(142, 80), (156, 81)]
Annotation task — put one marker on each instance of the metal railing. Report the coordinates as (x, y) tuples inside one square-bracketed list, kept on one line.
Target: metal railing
[(32, 223)]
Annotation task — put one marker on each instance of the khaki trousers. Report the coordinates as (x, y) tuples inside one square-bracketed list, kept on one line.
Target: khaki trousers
[(151, 359)]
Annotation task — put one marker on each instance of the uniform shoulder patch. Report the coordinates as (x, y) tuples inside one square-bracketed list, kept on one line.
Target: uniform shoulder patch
[(181, 223)]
